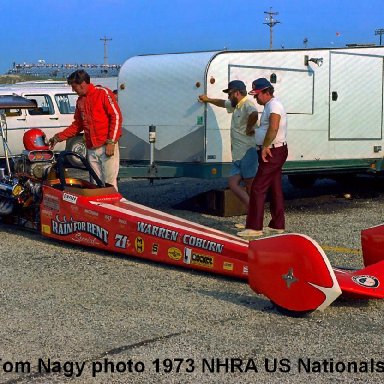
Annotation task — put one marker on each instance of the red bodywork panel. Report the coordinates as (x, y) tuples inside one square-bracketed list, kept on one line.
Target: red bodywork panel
[(362, 284), (293, 271), (110, 222), (372, 243), (290, 269)]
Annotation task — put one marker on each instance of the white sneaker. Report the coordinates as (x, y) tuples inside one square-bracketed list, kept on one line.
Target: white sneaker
[(275, 230), (250, 233), (239, 225)]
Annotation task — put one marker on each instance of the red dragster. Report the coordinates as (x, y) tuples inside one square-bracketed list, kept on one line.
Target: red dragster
[(290, 269)]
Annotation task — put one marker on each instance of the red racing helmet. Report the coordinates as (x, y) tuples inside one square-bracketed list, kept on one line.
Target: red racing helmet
[(35, 139)]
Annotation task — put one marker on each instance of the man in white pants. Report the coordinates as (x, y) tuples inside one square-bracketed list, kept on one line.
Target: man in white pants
[(98, 115)]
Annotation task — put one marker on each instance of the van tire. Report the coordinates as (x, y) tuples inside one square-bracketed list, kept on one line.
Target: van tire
[(77, 145)]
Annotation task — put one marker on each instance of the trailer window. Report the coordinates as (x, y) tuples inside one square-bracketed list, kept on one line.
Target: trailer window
[(44, 105), (66, 102)]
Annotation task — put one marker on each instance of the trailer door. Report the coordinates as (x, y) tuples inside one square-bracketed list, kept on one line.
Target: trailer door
[(355, 96)]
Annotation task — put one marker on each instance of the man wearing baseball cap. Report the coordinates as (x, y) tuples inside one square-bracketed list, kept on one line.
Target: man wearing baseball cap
[(243, 146), (271, 142)]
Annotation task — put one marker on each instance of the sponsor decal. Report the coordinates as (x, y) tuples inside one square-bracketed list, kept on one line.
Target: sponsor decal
[(38, 156), (202, 260), (78, 237), (154, 230), (107, 218), (91, 213), (105, 199), (194, 258), (65, 227), (197, 242), (69, 198), (245, 270), (49, 196), (121, 221), (228, 266), (75, 208), (46, 229), (187, 239), (187, 255), (51, 202), (139, 244), (155, 249), (366, 281), (174, 253), (46, 213)]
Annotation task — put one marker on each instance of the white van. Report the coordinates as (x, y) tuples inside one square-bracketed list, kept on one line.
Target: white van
[(56, 103)]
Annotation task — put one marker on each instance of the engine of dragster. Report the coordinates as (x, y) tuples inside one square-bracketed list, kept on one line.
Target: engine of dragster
[(21, 191)]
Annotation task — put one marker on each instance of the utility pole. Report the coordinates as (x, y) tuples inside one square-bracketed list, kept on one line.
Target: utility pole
[(105, 49), (379, 32), (271, 22)]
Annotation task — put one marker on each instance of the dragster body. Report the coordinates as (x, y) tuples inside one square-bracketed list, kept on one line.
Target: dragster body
[(290, 269)]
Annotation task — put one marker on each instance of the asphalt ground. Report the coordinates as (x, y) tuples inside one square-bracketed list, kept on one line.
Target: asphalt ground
[(72, 314)]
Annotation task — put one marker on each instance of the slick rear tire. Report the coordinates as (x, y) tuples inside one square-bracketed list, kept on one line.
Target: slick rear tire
[(77, 145)]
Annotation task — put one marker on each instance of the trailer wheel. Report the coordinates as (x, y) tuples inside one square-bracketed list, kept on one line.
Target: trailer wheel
[(302, 181), (77, 145)]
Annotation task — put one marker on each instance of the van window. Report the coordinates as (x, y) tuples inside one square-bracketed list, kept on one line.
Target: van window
[(12, 112), (9, 112), (44, 105), (66, 102)]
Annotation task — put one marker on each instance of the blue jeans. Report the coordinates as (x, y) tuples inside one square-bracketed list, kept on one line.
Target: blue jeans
[(247, 166)]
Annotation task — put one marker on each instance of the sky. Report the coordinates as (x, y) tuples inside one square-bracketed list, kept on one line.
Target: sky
[(70, 31)]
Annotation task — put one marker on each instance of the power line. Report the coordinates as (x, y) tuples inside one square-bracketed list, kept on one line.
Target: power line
[(271, 22), (105, 39), (379, 32)]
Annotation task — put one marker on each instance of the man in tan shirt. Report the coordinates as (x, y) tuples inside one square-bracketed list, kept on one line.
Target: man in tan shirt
[(243, 145)]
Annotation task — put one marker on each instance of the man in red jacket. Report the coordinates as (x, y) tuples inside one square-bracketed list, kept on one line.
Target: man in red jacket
[(98, 115)]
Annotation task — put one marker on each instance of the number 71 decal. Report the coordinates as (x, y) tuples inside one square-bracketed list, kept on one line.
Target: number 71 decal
[(121, 241)]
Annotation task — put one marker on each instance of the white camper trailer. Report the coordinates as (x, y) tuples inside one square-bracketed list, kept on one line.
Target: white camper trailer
[(333, 97)]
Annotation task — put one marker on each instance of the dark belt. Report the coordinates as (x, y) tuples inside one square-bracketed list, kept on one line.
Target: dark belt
[(259, 147)]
